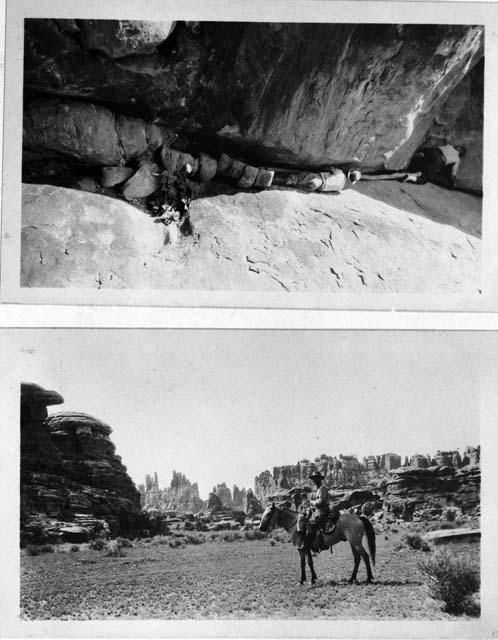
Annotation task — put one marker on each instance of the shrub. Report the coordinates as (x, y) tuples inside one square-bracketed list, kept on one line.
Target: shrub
[(33, 550), (47, 548), (255, 534), (115, 549), (450, 514), (124, 542), (176, 542), (231, 536), (415, 541), (195, 539), (74, 548), (452, 579), (97, 545), (159, 540)]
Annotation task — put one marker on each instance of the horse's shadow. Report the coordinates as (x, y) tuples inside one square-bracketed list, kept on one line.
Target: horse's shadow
[(376, 583)]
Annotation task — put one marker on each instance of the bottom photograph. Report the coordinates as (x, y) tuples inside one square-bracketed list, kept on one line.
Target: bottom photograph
[(222, 474)]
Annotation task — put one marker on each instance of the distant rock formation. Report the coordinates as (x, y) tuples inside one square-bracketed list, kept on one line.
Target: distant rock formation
[(423, 492), (421, 489), (182, 496), (70, 472)]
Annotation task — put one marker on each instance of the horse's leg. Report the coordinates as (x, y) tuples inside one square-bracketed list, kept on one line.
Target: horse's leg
[(312, 568), (356, 555), (366, 560), (303, 565)]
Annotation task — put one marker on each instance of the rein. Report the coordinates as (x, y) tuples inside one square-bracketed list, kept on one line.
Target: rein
[(291, 519)]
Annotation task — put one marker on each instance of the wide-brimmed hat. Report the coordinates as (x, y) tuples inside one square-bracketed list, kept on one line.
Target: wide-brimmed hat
[(316, 475)]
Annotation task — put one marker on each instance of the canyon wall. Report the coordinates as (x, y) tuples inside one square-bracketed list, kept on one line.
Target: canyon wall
[(423, 487), (182, 496), (70, 472), (310, 94)]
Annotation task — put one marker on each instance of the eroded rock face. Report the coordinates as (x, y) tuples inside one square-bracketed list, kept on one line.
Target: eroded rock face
[(422, 493), (459, 121), (89, 133), (69, 468), (293, 93), (122, 38), (182, 496), (423, 489), (84, 239)]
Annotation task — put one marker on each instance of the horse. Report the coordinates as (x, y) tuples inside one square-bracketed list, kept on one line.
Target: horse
[(349, 528)]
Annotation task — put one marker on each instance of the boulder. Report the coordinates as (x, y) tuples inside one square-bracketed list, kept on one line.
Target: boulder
[(74, 534), (264, 179), (73, 485), (122, 38), (85, 239), (112, 176), (248, 177), (459, 121), (91, 134), (207, 167), (294, 93), (143, 182), (87, 183), (173, 160)]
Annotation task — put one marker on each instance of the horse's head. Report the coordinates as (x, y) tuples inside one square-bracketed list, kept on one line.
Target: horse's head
[(269, 518)]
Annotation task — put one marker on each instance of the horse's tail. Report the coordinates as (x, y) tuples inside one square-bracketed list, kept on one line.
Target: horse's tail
[(370, 533)]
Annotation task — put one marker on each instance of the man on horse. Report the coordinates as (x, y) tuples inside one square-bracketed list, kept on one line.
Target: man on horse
[(320, 515)]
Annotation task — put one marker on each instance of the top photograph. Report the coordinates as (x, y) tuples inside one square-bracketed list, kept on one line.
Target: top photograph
[(290, 162)]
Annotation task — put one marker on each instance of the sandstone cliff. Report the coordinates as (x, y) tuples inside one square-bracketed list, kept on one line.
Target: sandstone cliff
[(422, 489), (181, 496), (70, 472), (290, 93)]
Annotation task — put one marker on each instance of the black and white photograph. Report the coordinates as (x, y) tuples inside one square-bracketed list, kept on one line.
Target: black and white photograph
[(249, 319), (252, 161), (301, 475)]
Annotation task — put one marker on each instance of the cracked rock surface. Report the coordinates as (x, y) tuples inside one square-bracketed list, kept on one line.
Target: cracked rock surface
[(383, 237)]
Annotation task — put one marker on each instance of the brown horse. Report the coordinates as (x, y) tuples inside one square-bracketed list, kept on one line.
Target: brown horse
[(349, 528)]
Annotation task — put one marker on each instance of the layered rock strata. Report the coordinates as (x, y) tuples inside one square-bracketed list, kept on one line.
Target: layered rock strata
[(70, 472), (424, 488), (291, 93)]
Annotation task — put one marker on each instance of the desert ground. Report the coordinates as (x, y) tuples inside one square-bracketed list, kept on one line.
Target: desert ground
[(228, 576)]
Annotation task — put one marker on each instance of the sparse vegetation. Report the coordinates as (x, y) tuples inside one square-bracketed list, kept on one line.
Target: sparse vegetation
[(452, 578), (115, 549), (243, 579), (124, 542), (450, 514), (415, 541), (97, 545)]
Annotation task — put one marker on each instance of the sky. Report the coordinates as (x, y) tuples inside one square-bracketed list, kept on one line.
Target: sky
[(224, 405)]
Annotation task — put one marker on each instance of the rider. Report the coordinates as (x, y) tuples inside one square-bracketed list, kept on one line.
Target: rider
[(320, 506)]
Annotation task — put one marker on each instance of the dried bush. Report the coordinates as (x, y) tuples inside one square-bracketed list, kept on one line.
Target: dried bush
[(255, 534), (47, 548), (124, 542), (450, 514), (33, 550), (98, 545), (115, 549), (176, 542), (452, 579), (415, 541), (192, 538)]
